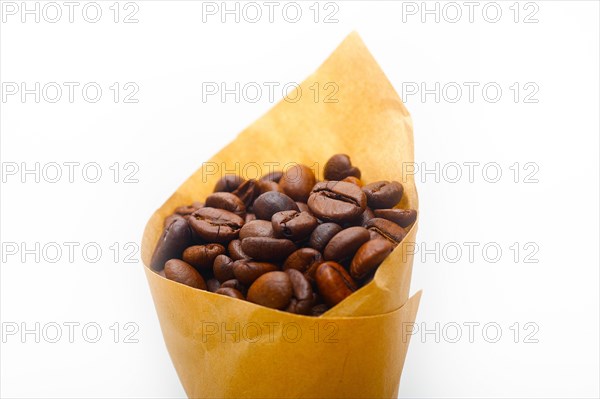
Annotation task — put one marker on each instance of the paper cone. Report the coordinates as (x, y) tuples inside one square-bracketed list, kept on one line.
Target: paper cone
[(223, 347)]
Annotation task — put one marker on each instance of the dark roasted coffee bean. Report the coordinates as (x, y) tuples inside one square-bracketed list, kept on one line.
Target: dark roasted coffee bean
[(234, 283), (188, 209), (227, 201), (266, 248), (223, 268), (293, 225), (216, 225), (353, 180), (345, 243), (383, 194), (272, 176), (202, 256), (246, 271), (389, 230), (180, 271), (249, 217), (303, 206), (297, 182), (322, 234), (213, 284), (257, 228), (247, 192), (171, 218), (319, 309), (302, 259), (273, 290), (228, 183), (175, 238), (302, 292), (402, 217), (369, 256), (269, 203), (339, 167), (232, 292), (235, 250), (335, 284), (336, 201)]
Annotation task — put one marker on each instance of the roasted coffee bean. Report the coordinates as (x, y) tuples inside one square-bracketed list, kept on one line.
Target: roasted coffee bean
[(402, 217), (273, 290), (257, 228), (247, 192), (246, 271), (171, 218), (180, 271), (216, 225), (227, 201), (202, 257), (175, 238), (337, 201), (269, 203), (369, 256), (272, 176), (235, 284), (302, 259), (302, 292), (335, 284), (389, 230), (345, 243), (249, 217), (235, 250), (339, 167), (213, 284), (297, 182), (353, 180), (188, 209), (266, 248), (232, 292), (383, 194), (293, 225), (223, 268), (228, 183), (322, 234), (266, 186), (319, 309), (303, 206)]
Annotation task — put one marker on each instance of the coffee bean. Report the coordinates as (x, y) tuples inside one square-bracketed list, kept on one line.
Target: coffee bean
[(272, 176), (246, 271), (266, 248), (202, 256), (402, 217), (223, 268), (293, 225), (389, 230), (178, 270), (247, 192), (171, 218), (235, 250), (235, 284), (302, 259), (269, 203), (266, 186), (232, 292), (216, 225), (188, 209), (345, 243), (175, 238), (228, 183), (302, 293), (322, 234), (353, 180), (257, 228), (383, 194), (303, 206), (227, 201), (339, 167), (212, 284), (335, 284), (336, 201), (369, 256), (273, 290), (297, 182)]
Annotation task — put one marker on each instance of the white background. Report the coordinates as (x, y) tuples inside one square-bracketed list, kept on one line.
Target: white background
[(170, 52)]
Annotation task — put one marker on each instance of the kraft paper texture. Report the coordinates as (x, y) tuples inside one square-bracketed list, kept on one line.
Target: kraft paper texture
[(223, 347)]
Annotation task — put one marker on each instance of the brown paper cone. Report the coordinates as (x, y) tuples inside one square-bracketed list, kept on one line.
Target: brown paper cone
[(223, 347)]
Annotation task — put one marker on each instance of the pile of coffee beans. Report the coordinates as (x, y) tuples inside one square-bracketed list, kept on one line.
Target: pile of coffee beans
[(286, 240)]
